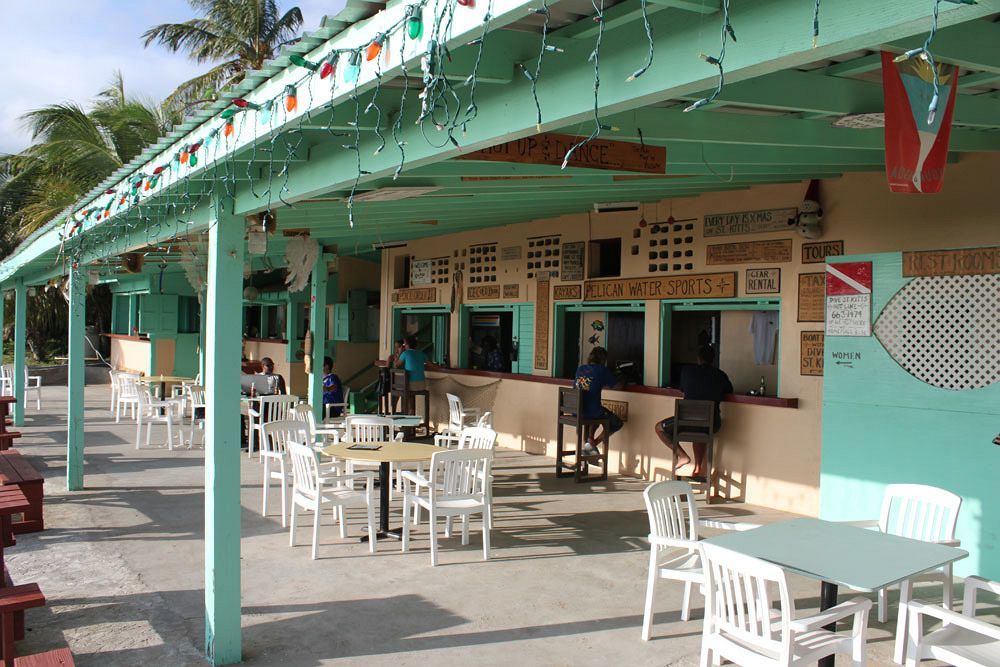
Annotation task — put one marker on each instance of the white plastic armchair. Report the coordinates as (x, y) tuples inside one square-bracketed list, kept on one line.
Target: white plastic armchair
[(741, 625), (460, 417), (7, 380), (673, 542), (344, 406), (33, 383), (962, 639)]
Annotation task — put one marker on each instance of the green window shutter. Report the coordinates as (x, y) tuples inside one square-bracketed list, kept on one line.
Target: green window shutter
[(341, 322), (525, 327)]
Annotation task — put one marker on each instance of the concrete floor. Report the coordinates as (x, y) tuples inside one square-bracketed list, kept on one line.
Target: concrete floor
[(121, 564)]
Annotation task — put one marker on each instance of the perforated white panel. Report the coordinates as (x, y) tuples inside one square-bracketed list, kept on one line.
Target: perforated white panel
[(945, 330)]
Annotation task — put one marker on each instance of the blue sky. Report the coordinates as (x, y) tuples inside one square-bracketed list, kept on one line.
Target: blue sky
[(67, 50)]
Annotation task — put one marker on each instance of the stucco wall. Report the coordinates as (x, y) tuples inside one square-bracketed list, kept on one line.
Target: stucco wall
[(130, 355), (777, 449)]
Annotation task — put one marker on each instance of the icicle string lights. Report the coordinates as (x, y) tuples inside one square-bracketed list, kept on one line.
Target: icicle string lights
[(727, 33)]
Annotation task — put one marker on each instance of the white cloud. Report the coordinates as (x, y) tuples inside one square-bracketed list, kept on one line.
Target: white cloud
[(67, 50)]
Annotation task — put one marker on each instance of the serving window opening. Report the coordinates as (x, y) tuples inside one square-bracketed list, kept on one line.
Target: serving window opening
[(431, 330), (618, 329)]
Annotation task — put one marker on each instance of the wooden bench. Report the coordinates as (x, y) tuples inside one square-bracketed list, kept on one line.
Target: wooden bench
[(13, 601), (60, 657), (15, 470)]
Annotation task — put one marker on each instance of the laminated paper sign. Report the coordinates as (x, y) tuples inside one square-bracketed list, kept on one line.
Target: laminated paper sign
[(849, 299)]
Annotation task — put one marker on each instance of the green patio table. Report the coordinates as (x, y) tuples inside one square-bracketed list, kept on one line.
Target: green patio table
[(839, 554)]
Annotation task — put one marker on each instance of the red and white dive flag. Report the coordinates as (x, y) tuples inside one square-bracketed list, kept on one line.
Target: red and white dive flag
[(916, 151)]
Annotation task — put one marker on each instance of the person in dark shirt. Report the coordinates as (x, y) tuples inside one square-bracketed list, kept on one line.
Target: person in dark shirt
[(493, 355), (703, 382), (275, 382), (333, 388), (592, 378)]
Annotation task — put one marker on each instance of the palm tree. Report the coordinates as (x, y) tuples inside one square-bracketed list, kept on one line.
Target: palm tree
[(243, 34)]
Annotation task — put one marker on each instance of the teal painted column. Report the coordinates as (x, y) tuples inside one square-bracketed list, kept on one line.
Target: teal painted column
[(3, 310), (75, 383), (224, 299), (317, 324), (20, 347)]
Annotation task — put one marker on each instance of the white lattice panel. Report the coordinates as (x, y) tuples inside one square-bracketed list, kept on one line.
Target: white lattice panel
[(945, 330)]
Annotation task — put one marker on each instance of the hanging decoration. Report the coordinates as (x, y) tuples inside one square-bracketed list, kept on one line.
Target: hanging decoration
[(727, 33), (300, 256)]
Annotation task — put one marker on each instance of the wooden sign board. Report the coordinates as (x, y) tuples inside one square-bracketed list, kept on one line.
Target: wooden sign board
[(416, 295), (816, 253), (482, 292), (420, 271), (749, 222), (750, 252), (567, 292), (966, 262), (511, 291), (550, 148), (811, 352), (696, 286), (762, 281), (573, 260), (812, 297), (619, 408), (542, 325), (510, 253)]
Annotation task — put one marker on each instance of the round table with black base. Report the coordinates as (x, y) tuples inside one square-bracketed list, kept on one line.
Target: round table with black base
[(387, 453)]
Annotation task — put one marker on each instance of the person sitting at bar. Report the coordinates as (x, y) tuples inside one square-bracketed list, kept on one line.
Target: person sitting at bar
[(593, 377), (333, 388), (702, 382), (385, 366), (492, 355), (275, 382), (413, 359)]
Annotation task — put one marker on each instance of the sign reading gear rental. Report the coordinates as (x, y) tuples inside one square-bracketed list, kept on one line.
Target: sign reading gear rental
[(849, 299)]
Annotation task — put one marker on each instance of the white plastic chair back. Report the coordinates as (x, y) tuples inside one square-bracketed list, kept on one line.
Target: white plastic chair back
[(477, 437), (144, 394), (738, 604), (671, 509), (196, 394), (129, 385), (278, 434), (368, 429), (919, 512), (305, 470), (303, 413), (276, 408), (461, 474), (454, 413)]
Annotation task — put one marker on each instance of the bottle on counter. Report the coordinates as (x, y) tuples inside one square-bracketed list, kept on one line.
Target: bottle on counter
[(762, 390)]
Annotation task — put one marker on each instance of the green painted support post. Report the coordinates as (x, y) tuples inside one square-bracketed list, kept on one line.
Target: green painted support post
[(75, 383), (317, 324), (224, 301), (3, 302), (20, 347)]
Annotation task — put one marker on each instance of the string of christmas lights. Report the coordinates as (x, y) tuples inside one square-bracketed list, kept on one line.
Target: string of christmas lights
[(727, 33)]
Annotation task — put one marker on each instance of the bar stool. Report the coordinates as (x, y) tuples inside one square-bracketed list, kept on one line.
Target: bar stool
[(570, 414), (399, 385), (694, 422)]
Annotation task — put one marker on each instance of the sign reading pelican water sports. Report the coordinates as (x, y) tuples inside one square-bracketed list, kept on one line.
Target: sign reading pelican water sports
[(697, 286), (916, 137), (550, 148), (849, 299), (749, 222)]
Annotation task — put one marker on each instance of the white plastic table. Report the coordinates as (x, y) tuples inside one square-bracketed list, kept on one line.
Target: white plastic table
[(839, 555)]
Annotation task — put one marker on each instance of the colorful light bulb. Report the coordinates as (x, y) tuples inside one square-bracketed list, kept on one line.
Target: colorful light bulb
[(245, 103), (228, 130), (327, 69), (193, 160), (414, 22), (302, 62), (375, 48), (265, 114), (184, 157), (353, 67), (228, 113), (291, 98)]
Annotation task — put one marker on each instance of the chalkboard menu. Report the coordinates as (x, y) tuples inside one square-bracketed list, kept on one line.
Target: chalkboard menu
[(573, 260)]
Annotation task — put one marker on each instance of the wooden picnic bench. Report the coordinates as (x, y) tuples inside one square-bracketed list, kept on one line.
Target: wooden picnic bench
[(16, 471), (6, 437)]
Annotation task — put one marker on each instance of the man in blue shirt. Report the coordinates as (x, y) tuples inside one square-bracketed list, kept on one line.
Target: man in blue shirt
[(592, 378), (333, 389), (703, 382)]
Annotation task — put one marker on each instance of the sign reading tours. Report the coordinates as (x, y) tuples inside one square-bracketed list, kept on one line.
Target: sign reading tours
[(811, 353), (763, 281), (749, 222), (812, 297), (966, 262), (703, 285), (816, 253), (567, 293), (849, 299), (750, 252), (481, 292), (550, 148), (416, 295), (542, 325)]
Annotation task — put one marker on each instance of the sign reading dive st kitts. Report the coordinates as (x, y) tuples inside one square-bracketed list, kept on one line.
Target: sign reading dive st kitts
[(702, 285), (549, 148)]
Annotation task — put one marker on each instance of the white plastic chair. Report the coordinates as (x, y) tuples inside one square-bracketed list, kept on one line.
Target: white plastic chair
[(33, 383), (277, 435), (673, 543), (459, 484), (364, 429), (268, 409), (470, 437), (115, 384), (128, 395), (311, 490), (153, 411), (459, 417), (345, 405), (7, 380), (962, 639), (194, 397), (304, 412), (919, 512), (741, 626)]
